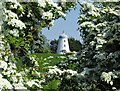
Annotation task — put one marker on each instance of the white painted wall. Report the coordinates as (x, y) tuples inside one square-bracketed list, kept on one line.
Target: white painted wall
[(63, 45)]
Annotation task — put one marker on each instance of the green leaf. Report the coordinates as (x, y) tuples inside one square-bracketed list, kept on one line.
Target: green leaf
[(52, 85)]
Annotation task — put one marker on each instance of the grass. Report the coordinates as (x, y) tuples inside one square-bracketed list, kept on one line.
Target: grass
[(48, 59)]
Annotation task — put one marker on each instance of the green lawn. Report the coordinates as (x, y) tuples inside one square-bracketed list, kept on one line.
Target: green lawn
[(48, 59)]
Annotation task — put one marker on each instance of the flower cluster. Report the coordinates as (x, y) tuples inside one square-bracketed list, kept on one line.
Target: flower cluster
[(10, 15), (15, 79), (47, 15), (108, 77), (21, 20), (3, 65), (4, 83), (99, 29), (55, 70), (14, 32), (17, 23), (42, 3)]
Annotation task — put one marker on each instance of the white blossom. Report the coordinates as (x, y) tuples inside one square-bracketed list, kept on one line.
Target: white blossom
[(47, 15), (103, 11), (18, 75), (55, 70), (17, 23), (14, 32), (114, 88), (61, 57), (16, 5), (71, 72), (101, 24), (112, 11), (111, 82), (6, 58), (50, 57), (61, 13), (63, 2), (108, 77), (3, 65), (14, 78), (9, 72), (92, 43), (32, 82), (51, 23), (12, 65), (100, 40), (4, 83), (19, 85), (32, 58), (45, 63), (11, 14), (98, 46), (41, 3), (29, 13), (87, 23), (13, 1), (13, 6), (93, 13), (2, 47), (49, 1)]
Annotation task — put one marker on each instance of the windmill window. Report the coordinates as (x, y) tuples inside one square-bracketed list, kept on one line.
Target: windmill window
[(64, 40), (64, 45)]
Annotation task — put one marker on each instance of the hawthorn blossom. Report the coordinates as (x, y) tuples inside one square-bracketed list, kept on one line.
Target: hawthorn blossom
[(42, 3), (47, 15), (49, 1), (61, 13), (3, 65), (71, 72), (108, 77), (31, 83), (4, 83), (19, 85), (13, 1), (87, 23), (11, 14), (17, 23), (14, 32)]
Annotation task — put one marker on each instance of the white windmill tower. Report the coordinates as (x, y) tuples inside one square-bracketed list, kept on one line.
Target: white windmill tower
[(63, 45)]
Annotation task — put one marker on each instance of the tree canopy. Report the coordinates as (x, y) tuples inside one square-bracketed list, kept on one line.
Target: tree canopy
[(20, 25), (99, 26)]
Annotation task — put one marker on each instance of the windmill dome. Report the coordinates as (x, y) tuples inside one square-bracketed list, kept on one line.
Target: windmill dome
[(63, 35)]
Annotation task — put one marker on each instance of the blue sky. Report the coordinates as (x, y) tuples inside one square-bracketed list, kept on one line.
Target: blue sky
[(69, 26)]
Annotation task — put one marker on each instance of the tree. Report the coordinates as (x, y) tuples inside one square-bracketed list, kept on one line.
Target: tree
[(40, 44), (20, 24), (99, 58), (74, 44), (53, 45)]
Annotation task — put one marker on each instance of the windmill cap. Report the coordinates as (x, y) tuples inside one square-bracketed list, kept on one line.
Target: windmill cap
[(63, 35)]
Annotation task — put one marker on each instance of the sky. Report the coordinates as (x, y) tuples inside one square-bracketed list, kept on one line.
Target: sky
[(69, 26)]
